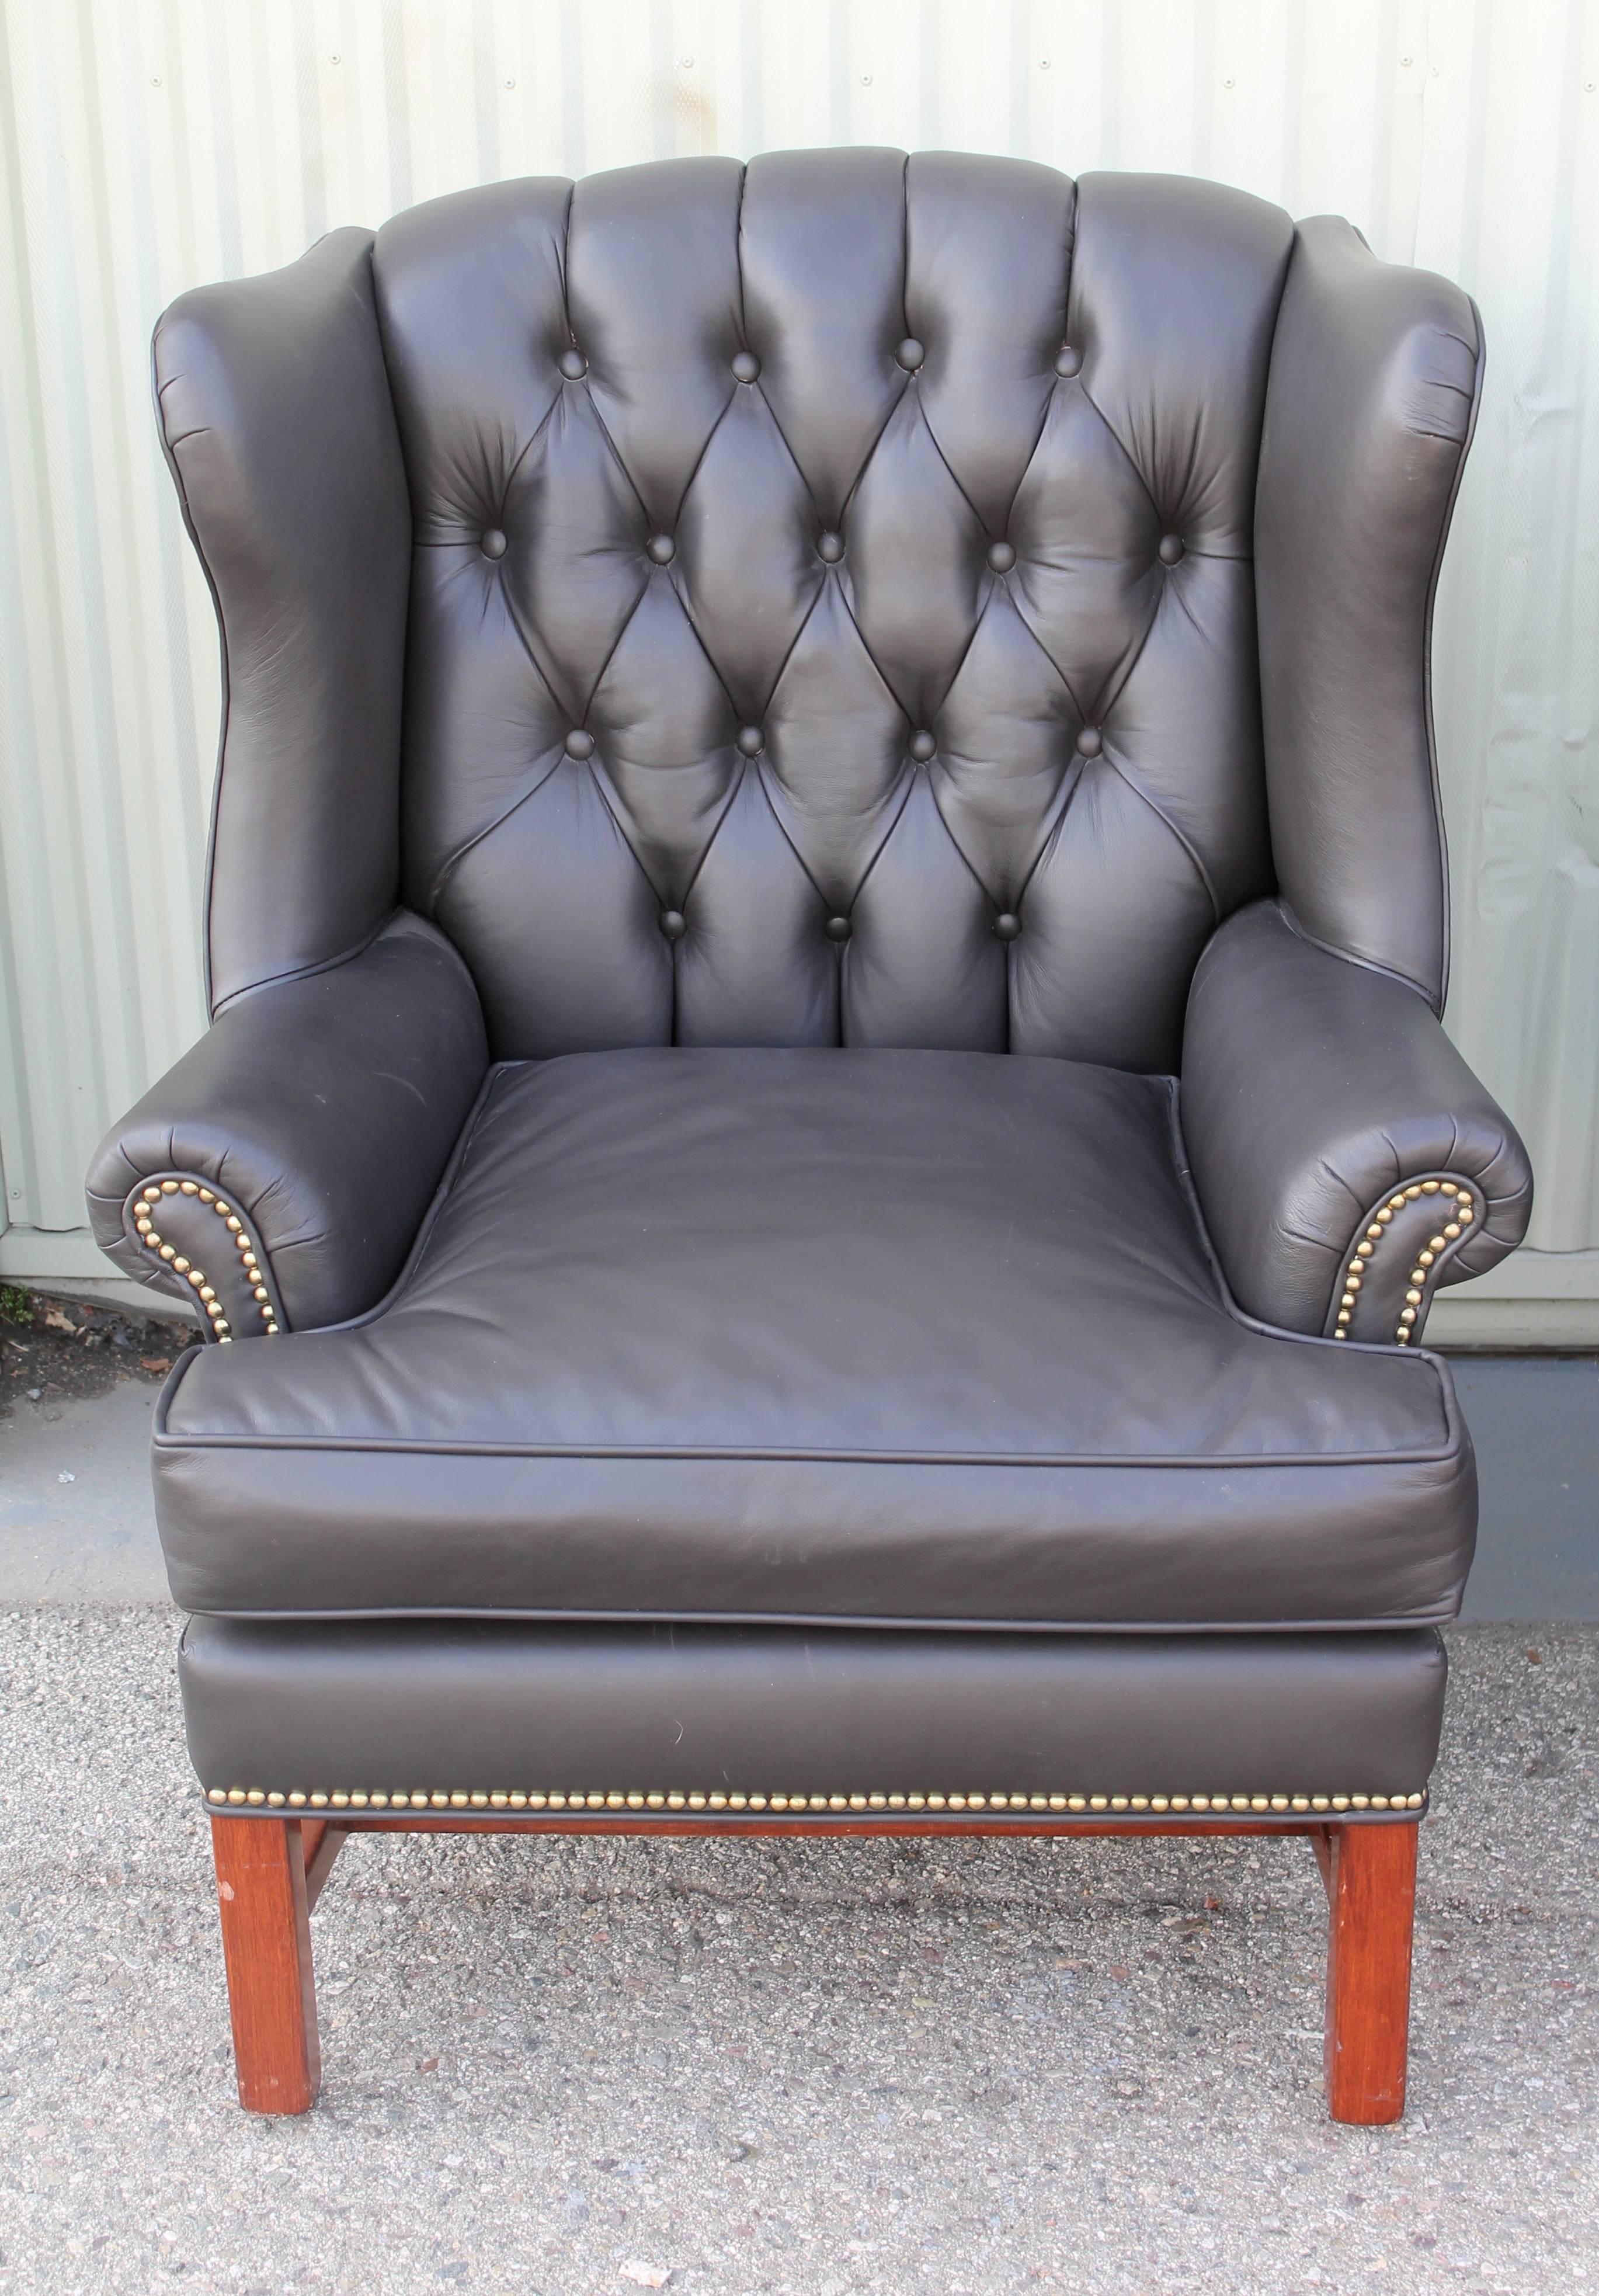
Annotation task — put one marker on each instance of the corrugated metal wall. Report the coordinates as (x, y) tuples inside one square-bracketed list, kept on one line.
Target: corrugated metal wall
[(151, 143)]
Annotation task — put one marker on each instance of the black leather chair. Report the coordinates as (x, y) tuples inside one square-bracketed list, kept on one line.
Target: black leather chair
[(825, 1138)]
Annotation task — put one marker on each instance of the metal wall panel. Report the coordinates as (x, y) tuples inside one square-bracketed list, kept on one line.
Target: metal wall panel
[(151, 143)]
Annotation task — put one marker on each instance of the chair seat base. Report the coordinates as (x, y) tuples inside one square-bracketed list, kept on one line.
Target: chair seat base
[(271, 1868)]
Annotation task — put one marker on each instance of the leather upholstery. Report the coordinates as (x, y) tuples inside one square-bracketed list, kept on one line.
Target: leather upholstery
[(851, 1334), (276, 417), (1375, 376), (324, 1110), (642, 688), (453, 1705), (1313, 1087), (846, 676)]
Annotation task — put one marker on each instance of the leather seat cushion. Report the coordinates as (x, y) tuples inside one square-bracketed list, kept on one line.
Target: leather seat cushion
[(869, 1336)]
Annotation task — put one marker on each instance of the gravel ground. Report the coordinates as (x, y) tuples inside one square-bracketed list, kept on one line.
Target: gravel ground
[(602, 2065)]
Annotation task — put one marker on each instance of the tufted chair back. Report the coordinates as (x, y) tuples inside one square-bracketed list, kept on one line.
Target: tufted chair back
[(833, 611)]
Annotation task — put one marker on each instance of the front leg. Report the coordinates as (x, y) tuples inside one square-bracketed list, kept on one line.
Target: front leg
[(1370, 1873), (267, 1946)]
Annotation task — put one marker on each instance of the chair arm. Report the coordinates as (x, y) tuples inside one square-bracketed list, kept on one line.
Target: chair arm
[(280, 1171), (1347, 1161)]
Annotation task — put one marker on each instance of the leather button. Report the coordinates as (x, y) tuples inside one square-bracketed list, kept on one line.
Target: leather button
[(830, 548), (662, 549), (579, 744), (746, 367), (672, 923), (1001, 557), (573, 366), (910, 354), (923, 745), (838, 928), (1171, 549), (1090, 741), (751, 740), (1068, 362), (1008, 927), (493, 544)]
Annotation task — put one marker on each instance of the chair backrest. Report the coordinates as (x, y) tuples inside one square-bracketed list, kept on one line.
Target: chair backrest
[(833, 607)]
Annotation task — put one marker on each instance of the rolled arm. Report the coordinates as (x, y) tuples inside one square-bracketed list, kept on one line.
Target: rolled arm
[(1347, 1161), (279, 1172)]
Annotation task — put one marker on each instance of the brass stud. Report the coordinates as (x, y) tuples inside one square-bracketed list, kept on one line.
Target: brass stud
[(142, 1226), (874, 1801), (297, 1801), (1340, 1801), (206, 1197), (1301, 1801), (736, 1802), (1466, 1215), (1076, 1801), (1412, 1194), (1179, 1801), (1279, 1802), (167, 1250), (896, 1801), (1318, 1802), (1363, 1250), (169, 1188), (1361, 1801), (1407, 1315), (1426, 1258), (233, 1220), (1451, 1228), (1413, 1299), (1396, 1204), (674, 1801), (1429, 1187), (319, 1801), (217, 1793), (1097, 1801), (190, 1187), (340, 1801)]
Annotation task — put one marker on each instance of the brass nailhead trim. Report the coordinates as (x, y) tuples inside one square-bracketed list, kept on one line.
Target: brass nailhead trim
[(1257, 1805), (1359, 1266), (145, 1207)]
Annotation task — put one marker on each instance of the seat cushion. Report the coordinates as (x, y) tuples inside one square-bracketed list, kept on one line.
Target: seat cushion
[(871, 1336)]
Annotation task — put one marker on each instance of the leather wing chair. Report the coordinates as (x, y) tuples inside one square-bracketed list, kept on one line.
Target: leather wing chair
[(824, 1139)]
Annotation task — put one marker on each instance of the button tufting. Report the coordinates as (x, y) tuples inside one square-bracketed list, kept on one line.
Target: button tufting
[(493, 544), (573, 366), (1001, 557), (579, 744), (910, 354), (923, 745), (838, 928), (662, 549), (1171, 549), (746, 367), (1090, 741), (1008, 927), (1068, 362), (830, 548), (751, 740), (672, 924)]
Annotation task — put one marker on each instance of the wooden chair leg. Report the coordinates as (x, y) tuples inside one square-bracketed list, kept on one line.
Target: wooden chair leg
[(267, 1944), (1370, 1890)]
